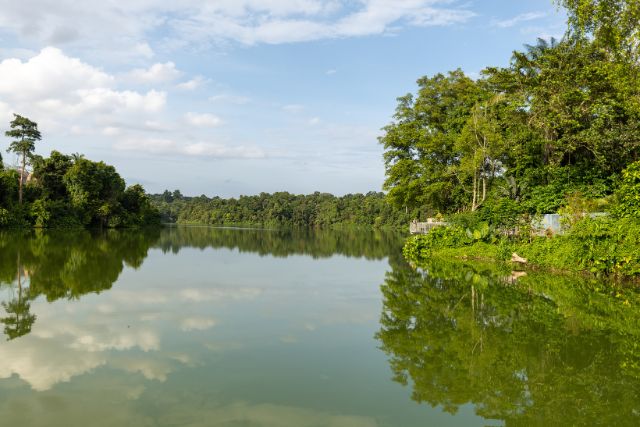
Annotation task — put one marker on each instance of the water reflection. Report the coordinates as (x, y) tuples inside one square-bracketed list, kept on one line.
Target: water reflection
[(70, 264), (18, 320), (62, 265), (197, 328), (532, 350), (369, 244)]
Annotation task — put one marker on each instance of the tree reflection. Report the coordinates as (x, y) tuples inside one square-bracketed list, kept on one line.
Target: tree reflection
[(19, 319), (69, 264), (541, 351), (352, 242), (63, 265)]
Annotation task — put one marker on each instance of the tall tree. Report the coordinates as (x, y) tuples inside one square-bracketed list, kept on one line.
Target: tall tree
[(613, 23), (24, 133), (420, 144)]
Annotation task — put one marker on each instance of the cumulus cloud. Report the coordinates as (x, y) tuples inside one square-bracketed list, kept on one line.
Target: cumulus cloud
[(157, 73), (48, 74), (51, 86), (59, 91)]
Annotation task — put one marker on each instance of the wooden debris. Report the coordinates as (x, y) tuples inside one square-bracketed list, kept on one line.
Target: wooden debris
[(517, 258)]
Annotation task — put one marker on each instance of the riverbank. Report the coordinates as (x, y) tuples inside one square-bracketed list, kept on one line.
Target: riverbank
[(604, 247)]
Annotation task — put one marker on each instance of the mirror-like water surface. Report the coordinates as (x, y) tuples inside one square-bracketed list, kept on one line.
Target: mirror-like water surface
[(222, 327)]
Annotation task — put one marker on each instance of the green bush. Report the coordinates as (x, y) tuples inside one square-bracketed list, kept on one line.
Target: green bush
[(603, 246), (628, 193)]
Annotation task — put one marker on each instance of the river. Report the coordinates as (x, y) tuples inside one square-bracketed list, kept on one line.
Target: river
[(198, 326)]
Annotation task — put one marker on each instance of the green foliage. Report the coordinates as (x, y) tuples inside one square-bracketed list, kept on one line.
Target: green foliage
[(446, 240), (24, 133), (319, 210), (502, 213), (604, 246), (561, 119), (421, 246), (5, 217), (420, 144), (71, 191), (533, 350), (66, 191), (613, 23), (628, 193), (60, 264)]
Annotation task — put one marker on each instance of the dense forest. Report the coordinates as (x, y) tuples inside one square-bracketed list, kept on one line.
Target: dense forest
[(562, 121), (555, 131), (282, 209), (66, 190)]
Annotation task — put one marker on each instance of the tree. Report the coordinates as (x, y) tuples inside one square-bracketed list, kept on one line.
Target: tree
[(19, 320), (94, 189), (613, 23), (25, 134), (420, 144), (49, 173)]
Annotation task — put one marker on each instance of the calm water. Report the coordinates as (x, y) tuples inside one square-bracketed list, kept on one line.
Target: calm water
[(220, 327)]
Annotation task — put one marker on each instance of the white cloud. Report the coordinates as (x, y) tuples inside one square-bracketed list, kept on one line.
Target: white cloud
[(192, 84), (524, 17), (52, 87), (198, 149), (44, 362), (231, 99), (202, 120), (94, 23), (197, 324), (217, 150), (111, 131), (157, 73), (143, 49), (331, 72), (48, 74), (204, 295)]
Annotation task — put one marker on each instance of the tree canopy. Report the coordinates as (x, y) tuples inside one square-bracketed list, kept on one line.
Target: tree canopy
[(562, 118), (25, 133)]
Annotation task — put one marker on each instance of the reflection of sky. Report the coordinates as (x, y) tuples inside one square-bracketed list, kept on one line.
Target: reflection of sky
[(212, 337)]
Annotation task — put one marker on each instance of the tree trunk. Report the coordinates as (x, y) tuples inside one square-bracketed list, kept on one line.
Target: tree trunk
[(484, 188), (475, 192), (24, 161)]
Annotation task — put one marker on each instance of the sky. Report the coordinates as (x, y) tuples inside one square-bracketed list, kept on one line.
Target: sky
[(237, 97)]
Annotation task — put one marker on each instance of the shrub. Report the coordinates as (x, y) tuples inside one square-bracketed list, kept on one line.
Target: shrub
[(628, 193)]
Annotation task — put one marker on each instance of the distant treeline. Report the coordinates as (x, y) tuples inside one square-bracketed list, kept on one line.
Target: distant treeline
[(282, 209)]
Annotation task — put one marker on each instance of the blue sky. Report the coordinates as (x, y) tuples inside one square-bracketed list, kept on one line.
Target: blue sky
[(231, 97)]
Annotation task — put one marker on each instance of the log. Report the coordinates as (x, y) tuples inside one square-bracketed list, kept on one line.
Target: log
[(517, 258)]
